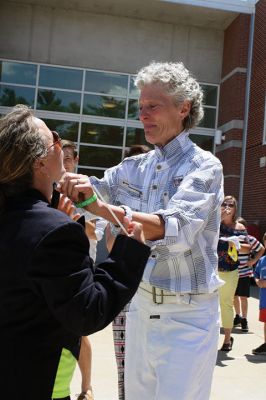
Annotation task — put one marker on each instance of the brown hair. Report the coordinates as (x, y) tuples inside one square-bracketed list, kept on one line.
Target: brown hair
[(71, 145), (20, 145), (136, 149), (242, 221), (230, 197)]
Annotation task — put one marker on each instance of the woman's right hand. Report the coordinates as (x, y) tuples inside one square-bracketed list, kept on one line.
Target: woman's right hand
[(75, 186)]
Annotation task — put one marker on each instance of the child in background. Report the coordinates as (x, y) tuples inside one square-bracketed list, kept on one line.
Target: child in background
[(245, 272), (260, 278)]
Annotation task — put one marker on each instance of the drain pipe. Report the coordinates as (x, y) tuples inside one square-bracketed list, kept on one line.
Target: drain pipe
[(246, 113)]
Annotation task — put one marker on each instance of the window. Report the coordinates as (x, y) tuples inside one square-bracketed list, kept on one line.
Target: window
[(20, 73), (99, 156), (91, 172), (133, 90), (133, 109), (68, 130), (210, 95), (104, 106), (210, 99), (12, 95), (135, 136), (208, 121), (58, 100), (205, 142), (98, 110), (12, 76), (106, 83), (61, 78), (102, 134)]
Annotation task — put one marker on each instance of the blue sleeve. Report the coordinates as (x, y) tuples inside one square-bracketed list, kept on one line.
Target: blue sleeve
[(257, 270)]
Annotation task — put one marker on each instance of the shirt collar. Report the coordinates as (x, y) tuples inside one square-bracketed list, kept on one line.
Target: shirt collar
[(179, 145), (17, 202), (35, 193)]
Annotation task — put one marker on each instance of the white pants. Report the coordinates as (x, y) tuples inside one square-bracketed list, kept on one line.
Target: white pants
[(171, 356)]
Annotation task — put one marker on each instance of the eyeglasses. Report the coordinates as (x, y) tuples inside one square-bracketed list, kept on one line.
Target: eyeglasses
[(57, 140), (230, 205)]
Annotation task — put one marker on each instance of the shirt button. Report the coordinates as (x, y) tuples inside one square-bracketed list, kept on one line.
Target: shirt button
[(159, 167), (154, 187)]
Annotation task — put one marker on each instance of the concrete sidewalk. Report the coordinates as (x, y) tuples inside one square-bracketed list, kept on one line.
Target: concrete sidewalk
[(238, 374)]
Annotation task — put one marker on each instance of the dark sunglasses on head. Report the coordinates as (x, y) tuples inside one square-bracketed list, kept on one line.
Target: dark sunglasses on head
[(57, 140), (230, 205)]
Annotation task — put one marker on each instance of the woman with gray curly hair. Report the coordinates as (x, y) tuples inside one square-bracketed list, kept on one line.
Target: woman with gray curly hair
[(176, 81), (175, 191)]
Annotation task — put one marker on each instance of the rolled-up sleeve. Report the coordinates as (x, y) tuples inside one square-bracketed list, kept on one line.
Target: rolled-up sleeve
[(192, 207)]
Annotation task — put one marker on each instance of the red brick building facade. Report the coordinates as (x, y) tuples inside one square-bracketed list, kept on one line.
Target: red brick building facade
[(233, 95)]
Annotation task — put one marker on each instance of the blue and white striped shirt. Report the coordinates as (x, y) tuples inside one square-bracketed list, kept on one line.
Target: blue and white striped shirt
[(184, 185)]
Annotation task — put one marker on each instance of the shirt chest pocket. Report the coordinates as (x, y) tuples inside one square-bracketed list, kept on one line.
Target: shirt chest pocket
[(130, 196)]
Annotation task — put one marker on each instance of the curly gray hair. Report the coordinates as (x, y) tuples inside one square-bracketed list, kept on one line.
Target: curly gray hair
[(179, 83)]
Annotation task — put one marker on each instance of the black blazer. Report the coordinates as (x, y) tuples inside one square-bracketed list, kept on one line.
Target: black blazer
[(50, 294)]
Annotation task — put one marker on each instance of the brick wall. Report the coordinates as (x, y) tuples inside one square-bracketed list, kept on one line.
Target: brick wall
[(232, 98), (230, 159), (236, 38), (254, 199)]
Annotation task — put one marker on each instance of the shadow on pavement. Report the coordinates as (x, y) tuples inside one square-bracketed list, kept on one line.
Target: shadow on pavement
[(256, 359), (223, 356), (254, 292), (238, 331)]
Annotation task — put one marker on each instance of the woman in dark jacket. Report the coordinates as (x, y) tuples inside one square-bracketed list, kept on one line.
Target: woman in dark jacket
[(50, 295)]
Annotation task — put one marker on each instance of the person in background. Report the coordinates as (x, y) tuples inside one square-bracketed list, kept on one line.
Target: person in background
[(245, 273), (136, 149), (260, 278), (119, 323), (50, 292), (94, 227), (175, 191), (233, 236), (94, 230), (254, 229)]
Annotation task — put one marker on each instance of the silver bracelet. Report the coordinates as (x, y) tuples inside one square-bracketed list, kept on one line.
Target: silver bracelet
[(128, 212), (115, 229)]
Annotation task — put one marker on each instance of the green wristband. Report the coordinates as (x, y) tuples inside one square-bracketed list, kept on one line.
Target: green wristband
[(85, 203)]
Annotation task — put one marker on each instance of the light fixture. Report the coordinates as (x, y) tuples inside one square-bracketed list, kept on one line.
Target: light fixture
[(92, 132), (108, 104), (218, 138)]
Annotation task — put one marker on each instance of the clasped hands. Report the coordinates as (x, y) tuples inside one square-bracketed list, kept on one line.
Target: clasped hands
[(78, 188)]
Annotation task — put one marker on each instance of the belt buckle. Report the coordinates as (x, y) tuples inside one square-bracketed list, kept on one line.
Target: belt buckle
[(154, 296)]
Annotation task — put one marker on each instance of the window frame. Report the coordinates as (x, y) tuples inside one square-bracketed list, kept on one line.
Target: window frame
[(100, 120)]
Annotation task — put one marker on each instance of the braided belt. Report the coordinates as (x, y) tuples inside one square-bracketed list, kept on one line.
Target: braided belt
[(158, 296)]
